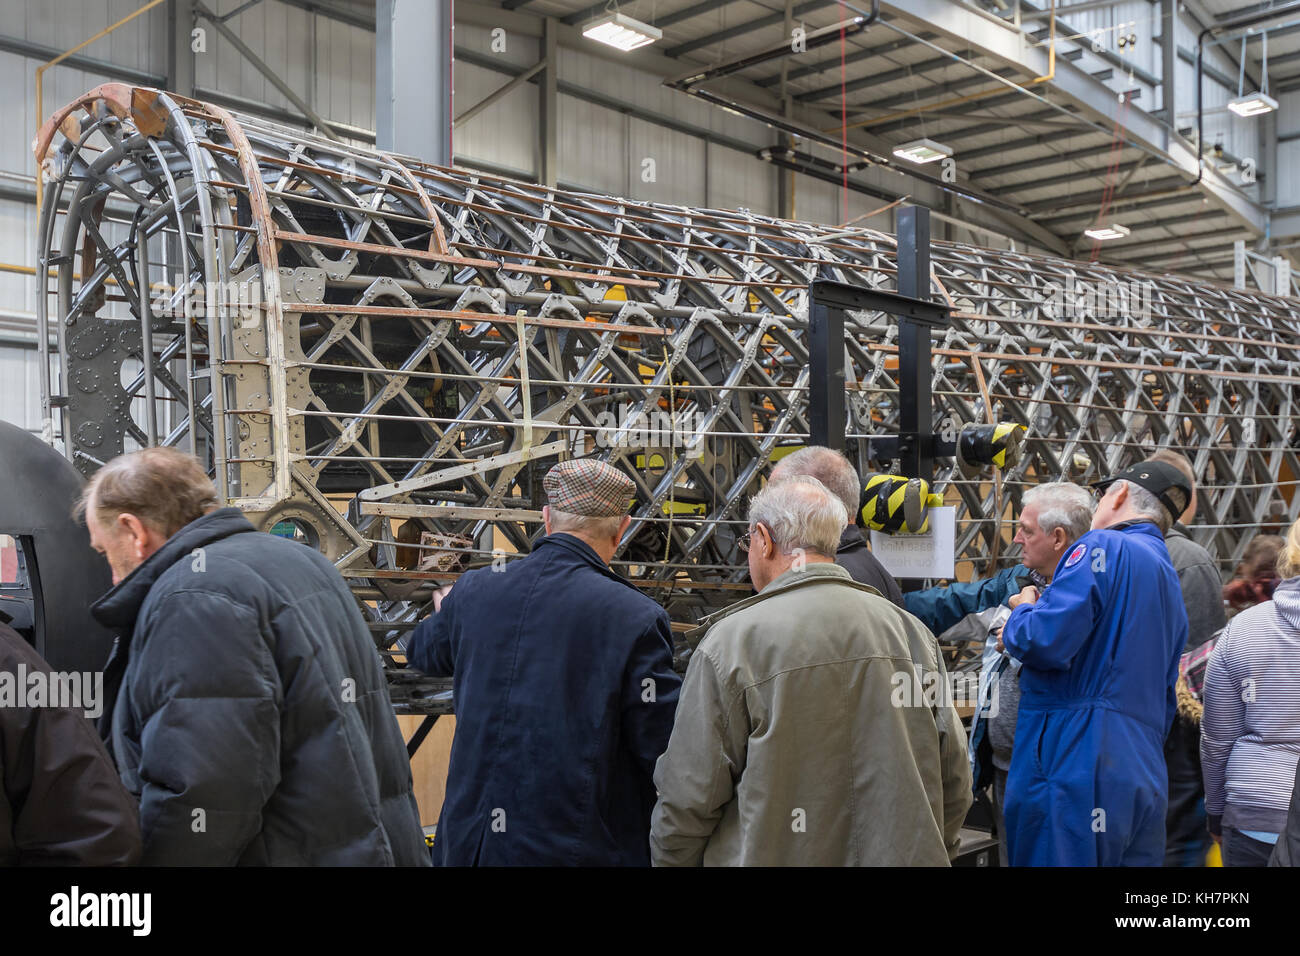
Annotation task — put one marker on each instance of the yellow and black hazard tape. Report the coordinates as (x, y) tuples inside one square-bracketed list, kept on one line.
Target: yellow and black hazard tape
[(1006, 437), (896, 504), (999, 444)]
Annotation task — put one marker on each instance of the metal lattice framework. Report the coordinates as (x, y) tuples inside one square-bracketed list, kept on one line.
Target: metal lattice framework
[(354, 340)]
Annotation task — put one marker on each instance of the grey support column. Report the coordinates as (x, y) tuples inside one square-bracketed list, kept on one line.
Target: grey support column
[(548, 169), (180, 51), (1169, 62), (413, 78)]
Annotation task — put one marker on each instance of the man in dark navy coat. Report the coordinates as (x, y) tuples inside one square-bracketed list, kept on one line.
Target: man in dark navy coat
[(564, 689)]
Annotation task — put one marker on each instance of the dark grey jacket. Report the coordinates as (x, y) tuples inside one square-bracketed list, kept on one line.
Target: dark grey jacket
[(1202, 586), (253, 721), (854, 556), (1287, 851)]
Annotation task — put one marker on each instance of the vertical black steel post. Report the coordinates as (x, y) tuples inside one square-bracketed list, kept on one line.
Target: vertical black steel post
[(826, 374), (916, 421)]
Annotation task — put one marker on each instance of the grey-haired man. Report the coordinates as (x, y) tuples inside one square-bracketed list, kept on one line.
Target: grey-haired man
[(1100, 648), (1052, 517), (768, 763), (837, 473)]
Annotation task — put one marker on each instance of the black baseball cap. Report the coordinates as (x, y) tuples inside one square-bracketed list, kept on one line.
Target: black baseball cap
[(1161, 479)]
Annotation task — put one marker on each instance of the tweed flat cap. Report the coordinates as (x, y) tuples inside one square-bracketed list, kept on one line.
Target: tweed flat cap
[(584, 486)]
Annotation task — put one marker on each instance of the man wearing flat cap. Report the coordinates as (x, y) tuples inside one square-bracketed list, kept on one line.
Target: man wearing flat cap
[(1088, 784), (564, 688)]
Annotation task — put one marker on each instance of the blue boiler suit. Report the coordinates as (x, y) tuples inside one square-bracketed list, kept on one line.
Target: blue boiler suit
[(1100, 648)]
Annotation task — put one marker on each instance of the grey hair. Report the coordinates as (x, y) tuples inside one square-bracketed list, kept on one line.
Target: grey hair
[(595, 527), (1061, 504), (1148, 506), (828, 466), (802, 513)]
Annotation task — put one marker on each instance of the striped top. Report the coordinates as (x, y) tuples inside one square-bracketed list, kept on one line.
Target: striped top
[(1250, 734)]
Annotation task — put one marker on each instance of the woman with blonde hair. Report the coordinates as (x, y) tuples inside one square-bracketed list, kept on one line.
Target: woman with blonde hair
[(1250, 732)]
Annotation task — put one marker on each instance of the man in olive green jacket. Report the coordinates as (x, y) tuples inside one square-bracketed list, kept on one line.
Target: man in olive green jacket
[(815, 725)]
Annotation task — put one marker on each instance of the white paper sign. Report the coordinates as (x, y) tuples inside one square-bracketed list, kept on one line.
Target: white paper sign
[(929, 555)]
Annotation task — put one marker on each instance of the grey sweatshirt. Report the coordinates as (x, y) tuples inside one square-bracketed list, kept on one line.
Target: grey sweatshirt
[(1250, 734)]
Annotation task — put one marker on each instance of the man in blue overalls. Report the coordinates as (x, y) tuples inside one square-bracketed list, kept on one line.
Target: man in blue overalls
[(1100, 647)]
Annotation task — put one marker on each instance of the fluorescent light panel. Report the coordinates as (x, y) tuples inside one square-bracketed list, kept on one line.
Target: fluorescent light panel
[(922, 151), (1253, 104), (1102, 233), (622, 32)]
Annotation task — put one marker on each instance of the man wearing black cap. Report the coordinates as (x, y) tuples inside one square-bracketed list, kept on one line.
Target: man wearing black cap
[(1088, 784)]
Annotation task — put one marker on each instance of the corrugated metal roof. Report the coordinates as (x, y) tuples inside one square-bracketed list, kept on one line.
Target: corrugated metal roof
[(1037, 156)]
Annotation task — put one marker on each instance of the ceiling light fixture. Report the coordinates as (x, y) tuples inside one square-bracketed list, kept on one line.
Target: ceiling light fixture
[(1252, 104), (922, 151), (1102, 233), (622, 32)]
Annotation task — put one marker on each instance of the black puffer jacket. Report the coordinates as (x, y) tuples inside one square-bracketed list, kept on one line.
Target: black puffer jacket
[(253, 720)]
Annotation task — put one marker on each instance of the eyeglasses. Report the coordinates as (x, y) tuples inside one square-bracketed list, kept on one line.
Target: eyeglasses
[(746, 539)]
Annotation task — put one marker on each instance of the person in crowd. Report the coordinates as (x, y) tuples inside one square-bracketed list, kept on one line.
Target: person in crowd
[(1100, 648), (833, 470), (943, 607), (1186, 840), (1198, 571), (1287, 850), (1250, 733), (769, 763), (564, 687), (1052, 518), (62, 803), (252, 719), (1255, 577)]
